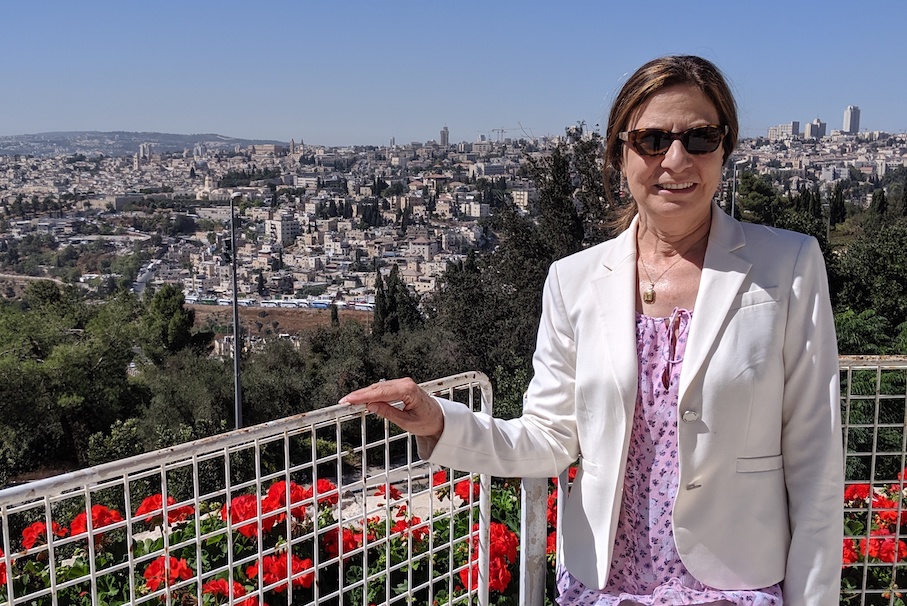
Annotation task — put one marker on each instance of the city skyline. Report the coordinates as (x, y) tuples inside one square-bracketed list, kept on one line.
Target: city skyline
[(357, 73)]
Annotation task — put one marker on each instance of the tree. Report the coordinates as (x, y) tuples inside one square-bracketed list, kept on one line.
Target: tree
[(343, 358), (395, 189), (559, 222), (63, 376), (381, 303), (872, 272), (758, 200), (277, 381), (879, 205), (186, 389), (396, 306), (837, 213), (861, 333), (260, 282), (166, 324)]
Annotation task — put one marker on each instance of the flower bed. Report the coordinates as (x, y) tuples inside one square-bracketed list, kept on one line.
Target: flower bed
[(874, 553), (291, 545), (288, 545)]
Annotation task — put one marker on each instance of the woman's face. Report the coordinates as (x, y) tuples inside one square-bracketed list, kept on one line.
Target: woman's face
[(678, 185)]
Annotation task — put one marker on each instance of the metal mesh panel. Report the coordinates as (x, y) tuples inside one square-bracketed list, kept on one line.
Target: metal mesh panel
[(873, 401), (328, 507)]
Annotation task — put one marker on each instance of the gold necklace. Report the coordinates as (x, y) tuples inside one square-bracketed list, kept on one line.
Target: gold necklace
[(648, 295)]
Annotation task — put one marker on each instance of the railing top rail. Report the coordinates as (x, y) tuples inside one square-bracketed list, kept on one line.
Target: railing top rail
[(872, 361)]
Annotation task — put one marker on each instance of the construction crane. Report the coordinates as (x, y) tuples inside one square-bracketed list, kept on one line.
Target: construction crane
[(500, 132)]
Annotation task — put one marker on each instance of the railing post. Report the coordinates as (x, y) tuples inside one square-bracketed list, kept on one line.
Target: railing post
[(533, 541)]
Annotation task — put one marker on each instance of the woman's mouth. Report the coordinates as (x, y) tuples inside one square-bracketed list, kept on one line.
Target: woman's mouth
[(674, 186)]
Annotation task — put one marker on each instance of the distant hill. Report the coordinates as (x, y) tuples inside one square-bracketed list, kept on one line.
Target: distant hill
[(116, 143)]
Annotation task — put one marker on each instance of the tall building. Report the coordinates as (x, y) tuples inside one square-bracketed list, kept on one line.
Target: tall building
[(852, 119), (814, 130), (445, 137)]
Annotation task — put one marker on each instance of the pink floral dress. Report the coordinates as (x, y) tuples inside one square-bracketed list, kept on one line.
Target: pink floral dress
[(645, 567)]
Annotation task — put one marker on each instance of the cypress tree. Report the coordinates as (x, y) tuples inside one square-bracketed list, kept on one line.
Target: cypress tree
[(378, 319)]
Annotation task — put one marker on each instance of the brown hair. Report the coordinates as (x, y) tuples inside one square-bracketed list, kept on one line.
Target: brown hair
[(649, 79)]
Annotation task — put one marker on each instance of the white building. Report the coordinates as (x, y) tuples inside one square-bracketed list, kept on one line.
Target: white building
[(284, 230), (782, 132), (852, 119)]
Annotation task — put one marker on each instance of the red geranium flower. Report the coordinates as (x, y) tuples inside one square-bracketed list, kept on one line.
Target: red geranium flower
[(872, 546), (412, 526), (245, 507), (439, 477), (389, 491), (274, 569), (551, 543), (169, 571), (552, 508), (856, 492), (36, 532), (463, 488), (503, 542), (892, 551), (349, 540), (2, 569), (100, 517), (886, 510), (498, 575), (502, 552), (220, 588), (154, 509), (850, 552), (571, 473), (327, 493), (299, 497)]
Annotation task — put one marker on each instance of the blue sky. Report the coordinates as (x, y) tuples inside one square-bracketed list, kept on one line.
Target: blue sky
[(341, 72)]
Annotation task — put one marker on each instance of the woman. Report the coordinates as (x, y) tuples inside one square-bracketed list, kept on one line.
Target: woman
[(690, 363)]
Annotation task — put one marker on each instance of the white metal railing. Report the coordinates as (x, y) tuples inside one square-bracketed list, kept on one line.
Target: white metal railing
[(874, 548), (327, 507), (325, 536)]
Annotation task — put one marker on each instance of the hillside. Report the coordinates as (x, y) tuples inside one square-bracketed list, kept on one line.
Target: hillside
[(261, 321)]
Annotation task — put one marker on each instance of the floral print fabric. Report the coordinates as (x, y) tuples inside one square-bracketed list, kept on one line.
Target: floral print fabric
[(645, 567)]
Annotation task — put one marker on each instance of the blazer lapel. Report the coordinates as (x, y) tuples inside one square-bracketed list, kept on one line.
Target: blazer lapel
[(615, 292), (723, 273)]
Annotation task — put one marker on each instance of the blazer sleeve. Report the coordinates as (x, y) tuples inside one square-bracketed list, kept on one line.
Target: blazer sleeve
[(543, 441), (811, 438)]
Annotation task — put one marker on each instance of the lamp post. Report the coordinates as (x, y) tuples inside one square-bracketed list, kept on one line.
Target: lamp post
[(237, 391), (734, 193)]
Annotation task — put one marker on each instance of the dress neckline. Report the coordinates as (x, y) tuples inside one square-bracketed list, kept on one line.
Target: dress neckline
[(677, 311)]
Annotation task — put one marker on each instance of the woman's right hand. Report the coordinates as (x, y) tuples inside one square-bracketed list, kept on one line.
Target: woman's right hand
[(420, 414)]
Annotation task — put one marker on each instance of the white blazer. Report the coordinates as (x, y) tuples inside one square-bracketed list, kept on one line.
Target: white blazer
[(760, 495)]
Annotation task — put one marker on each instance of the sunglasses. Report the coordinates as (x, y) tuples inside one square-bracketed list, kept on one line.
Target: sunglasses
[(655, 142)]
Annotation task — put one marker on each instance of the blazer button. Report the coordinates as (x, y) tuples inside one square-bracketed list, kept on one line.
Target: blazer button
[(690, 416)]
